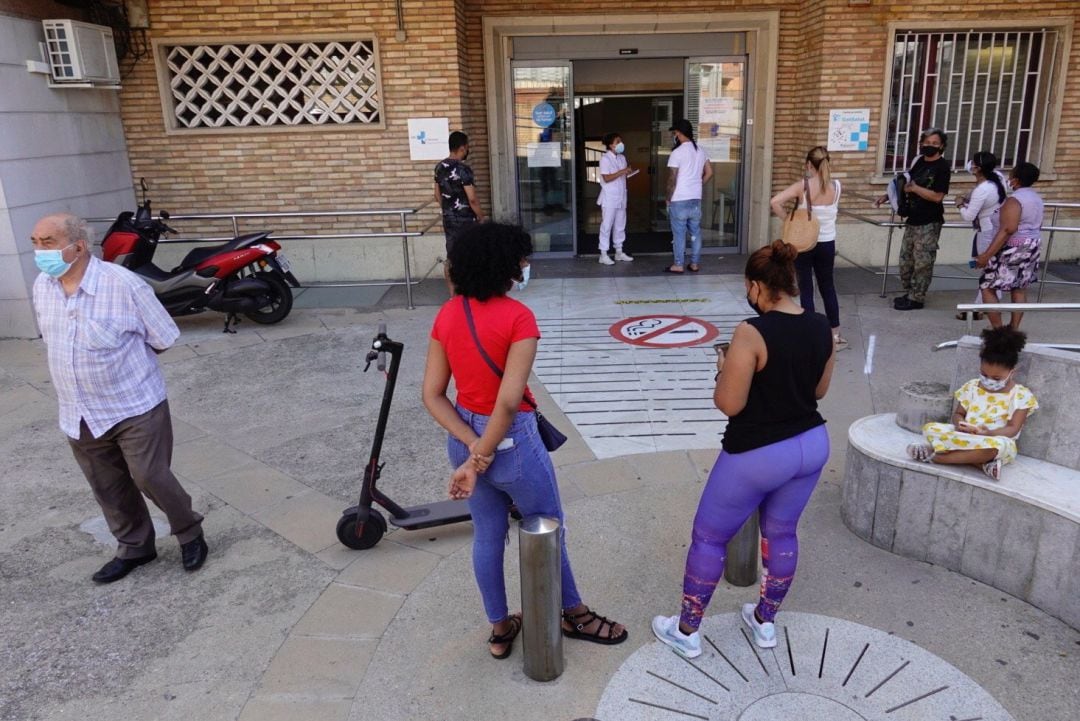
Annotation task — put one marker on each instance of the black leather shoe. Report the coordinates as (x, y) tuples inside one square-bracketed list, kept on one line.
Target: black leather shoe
[(193, 553), (117, 568), (906, 303), (899, 301)]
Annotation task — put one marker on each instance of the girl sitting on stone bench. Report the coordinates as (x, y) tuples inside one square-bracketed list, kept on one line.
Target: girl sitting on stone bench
[(989, 413)]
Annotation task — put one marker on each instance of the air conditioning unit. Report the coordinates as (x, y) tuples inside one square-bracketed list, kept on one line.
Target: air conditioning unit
[(80, 52)]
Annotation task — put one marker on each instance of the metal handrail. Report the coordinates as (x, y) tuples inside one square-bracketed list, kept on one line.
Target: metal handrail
[(404, 233), (892, 224)]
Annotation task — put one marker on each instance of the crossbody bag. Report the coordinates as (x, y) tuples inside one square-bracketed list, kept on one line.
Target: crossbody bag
[(551, 436)]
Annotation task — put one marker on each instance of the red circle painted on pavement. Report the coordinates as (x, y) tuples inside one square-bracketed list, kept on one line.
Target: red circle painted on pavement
[(663, 331)]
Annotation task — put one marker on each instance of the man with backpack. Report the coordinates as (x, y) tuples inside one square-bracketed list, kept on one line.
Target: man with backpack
[(923, 193)]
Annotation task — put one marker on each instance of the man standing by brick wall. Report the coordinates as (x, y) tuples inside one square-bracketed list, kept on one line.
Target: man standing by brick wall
[(455, 191), (926, 190), (102, 327)]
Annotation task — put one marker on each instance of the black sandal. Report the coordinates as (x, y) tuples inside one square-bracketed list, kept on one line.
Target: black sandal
[(580, 620), (507, 638)]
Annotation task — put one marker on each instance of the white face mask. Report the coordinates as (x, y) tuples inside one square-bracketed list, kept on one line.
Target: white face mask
[(970, 167), (524, 277), (994, 385), (620, 148)]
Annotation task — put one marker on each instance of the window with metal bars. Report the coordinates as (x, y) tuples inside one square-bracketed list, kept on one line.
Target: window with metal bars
[(268, 84), (988, 90)]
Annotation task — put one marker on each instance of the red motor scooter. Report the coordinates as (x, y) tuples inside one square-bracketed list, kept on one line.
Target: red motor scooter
[(248, 275)]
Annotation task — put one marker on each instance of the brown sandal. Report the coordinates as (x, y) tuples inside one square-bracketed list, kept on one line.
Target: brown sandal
[(507, 638), (602, 634)]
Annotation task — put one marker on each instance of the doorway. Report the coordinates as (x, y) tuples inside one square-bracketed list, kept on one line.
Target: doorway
[(642, 120), (566, 91)]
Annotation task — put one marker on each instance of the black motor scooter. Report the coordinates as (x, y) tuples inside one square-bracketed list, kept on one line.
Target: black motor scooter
[(361, 526)]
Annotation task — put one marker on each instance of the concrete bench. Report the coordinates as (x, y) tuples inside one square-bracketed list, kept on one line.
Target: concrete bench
[(1020, 534)]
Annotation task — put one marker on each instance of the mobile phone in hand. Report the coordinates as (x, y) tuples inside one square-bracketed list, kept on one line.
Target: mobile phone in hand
[(722, 347)]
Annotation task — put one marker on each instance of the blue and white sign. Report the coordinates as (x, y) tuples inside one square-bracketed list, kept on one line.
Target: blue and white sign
[(849, 129), (429, 138), (543, 115)]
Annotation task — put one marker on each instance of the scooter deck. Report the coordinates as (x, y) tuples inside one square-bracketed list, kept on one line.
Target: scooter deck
[(428, 515)]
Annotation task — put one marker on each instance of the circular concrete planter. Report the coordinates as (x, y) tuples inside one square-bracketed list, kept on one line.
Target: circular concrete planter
[(923, 402)]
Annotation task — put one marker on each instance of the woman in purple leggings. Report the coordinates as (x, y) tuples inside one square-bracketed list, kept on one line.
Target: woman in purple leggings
[(778, 367)]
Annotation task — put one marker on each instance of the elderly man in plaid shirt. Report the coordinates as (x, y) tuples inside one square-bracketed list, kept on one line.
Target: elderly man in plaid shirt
[(103, 327)]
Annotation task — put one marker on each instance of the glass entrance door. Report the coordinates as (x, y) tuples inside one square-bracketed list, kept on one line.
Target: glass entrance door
[(544, 153), (716, 108)]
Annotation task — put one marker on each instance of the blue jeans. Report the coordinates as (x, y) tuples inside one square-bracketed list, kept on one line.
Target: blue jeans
[(523, 475), (685, 217)]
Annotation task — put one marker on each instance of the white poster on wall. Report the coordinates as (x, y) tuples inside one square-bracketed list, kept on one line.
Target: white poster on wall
[(718, 148), (849, 129), (429, 138), (545, 155)]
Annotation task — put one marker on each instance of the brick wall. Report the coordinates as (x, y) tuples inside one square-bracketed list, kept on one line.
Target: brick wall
[(299, 169), (831, 55)]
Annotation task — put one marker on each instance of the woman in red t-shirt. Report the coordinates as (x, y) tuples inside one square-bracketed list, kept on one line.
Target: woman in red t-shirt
[(494, 444)]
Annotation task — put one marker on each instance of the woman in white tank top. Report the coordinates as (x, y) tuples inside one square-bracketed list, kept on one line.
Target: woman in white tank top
[(818, 262)]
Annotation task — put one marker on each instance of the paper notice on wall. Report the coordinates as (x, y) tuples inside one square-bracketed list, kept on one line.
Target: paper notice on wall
[(429, 138), (717, 148), (849, 129), (714, 110), (545, 155)]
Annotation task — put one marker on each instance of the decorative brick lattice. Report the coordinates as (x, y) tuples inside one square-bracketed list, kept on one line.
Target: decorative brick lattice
[(274, 84)]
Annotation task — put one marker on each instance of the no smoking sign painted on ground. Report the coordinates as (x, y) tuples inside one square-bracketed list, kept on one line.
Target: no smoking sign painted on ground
[(663, 331)]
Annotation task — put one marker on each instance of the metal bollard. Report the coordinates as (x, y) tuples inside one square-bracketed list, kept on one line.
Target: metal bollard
[(741, 568), (540, 554)]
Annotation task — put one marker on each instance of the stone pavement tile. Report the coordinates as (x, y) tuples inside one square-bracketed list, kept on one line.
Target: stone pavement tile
[(318, 667), (703, 460), (443, 540), (231, 342), (291, 328), (338, 556), (670, 465), (347, 611), (262, 708), (253, 487), (207, 457), (308, 520), (16, 398), (341, 317), (389, 566), (184, 432), (603, 477), (177, 353)]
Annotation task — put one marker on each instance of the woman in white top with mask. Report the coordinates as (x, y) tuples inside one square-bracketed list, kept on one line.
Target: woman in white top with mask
[(817, 262), (980, 206), (614, 170)]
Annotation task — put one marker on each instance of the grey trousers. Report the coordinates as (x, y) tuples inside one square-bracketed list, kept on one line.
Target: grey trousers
[(132, 459)]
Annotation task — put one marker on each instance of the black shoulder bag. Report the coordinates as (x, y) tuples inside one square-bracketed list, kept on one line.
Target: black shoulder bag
[(549, 434)]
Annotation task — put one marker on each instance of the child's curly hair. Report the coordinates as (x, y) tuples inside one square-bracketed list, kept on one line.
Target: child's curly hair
[(1002, 346)]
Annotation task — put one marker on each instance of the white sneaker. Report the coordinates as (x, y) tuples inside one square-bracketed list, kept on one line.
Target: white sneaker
[(619, 255), (764, 633), (666, 628), (605, 259)]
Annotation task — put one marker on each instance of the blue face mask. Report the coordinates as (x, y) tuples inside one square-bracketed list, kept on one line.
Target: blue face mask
[(620, 148), (51, 262), (524, 277)]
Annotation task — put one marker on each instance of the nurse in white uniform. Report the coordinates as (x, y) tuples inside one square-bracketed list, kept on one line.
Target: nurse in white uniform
[(614, 170)]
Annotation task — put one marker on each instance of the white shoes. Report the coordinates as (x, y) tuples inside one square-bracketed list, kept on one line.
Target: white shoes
[(619, 255), (605, 259), (764, 633), (666, 628)]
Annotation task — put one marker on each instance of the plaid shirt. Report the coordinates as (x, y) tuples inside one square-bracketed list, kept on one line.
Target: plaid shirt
[(100, 343)]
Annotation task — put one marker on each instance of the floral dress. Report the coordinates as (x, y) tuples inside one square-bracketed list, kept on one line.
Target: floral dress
[(985, 409)]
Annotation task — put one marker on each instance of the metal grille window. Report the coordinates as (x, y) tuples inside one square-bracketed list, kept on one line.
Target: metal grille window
[(988, 90), (266, 84)]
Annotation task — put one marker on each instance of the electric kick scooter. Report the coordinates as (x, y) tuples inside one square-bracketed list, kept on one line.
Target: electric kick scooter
[(361, 526)]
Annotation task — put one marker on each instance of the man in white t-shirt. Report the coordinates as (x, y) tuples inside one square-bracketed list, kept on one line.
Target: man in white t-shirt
[(688, 169), (614, 170)]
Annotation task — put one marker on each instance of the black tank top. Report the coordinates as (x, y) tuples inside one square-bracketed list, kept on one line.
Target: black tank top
[(781, 403)]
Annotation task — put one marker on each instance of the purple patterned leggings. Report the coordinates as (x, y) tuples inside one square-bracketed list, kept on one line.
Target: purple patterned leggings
[(777, 479)]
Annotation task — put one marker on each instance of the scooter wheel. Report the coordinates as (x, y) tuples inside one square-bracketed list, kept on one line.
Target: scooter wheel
[(361, 539)]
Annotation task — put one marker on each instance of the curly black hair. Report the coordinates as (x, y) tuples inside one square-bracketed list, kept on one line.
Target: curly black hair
[(1002, 346), (486, 258)]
